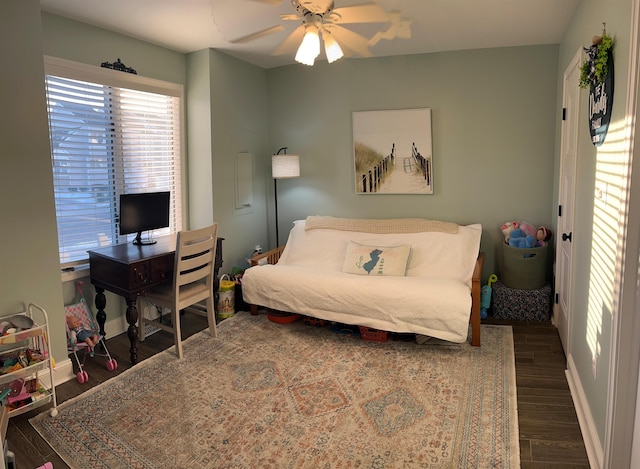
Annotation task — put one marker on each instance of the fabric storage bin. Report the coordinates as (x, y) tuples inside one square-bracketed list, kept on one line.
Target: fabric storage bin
[(516, 304), (524, 268)]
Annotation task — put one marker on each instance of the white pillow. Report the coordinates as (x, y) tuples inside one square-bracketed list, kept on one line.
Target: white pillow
[(376, 260)]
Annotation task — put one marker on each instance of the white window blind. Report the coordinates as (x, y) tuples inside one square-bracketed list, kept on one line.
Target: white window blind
[(105, 141)]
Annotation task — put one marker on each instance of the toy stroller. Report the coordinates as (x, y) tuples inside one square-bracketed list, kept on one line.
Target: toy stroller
[(83, 335)]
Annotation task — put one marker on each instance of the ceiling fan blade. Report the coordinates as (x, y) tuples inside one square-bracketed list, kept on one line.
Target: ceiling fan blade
[(400, 28), (351, 40), (364, 13), (404, 31), (315, 6), (257, 34), (291, 17), (291, 43)]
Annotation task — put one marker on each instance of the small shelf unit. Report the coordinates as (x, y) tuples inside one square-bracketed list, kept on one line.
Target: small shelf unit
[(34, 338)]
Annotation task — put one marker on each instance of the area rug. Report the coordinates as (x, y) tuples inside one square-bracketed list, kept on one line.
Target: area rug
[(267, 395)]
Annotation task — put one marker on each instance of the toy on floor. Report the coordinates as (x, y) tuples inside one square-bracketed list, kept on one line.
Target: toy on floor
[(485, 299), (83, 336)]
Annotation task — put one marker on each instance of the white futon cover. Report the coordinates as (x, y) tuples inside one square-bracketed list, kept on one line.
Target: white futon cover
[(433, 298)]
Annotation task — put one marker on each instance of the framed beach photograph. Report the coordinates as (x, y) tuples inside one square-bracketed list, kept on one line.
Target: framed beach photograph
[(393, 152)]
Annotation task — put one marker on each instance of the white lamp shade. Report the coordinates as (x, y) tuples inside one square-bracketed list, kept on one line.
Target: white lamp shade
[(331, 48), (285, 166), (310, 47)]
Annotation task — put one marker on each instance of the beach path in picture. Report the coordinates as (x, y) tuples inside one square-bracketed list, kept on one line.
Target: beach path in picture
[(393, 152)]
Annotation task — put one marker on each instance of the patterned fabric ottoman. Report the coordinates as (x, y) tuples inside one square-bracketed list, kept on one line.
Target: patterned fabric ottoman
[(513, 303)]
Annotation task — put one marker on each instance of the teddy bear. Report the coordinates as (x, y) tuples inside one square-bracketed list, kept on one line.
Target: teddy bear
[(519, 239), (543, 235), (507, 228)]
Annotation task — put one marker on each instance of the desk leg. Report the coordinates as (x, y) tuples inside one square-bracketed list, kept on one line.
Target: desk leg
[(101, 316), (132, 331)]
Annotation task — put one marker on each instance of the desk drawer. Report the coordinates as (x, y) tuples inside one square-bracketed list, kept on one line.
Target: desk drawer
[(162, 269)]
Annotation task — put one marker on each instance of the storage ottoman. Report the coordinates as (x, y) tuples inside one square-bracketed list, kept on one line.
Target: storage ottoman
[(517, 304)]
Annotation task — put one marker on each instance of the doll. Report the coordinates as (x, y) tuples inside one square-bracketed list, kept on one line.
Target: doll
[(543, 235), (80, 334)]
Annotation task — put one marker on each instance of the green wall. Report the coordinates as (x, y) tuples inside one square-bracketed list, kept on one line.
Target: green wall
[(493, 129), (30, 270), (71, 40), (227, 115)]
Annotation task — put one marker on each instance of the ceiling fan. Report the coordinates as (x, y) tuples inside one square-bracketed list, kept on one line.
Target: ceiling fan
[(319, 18)]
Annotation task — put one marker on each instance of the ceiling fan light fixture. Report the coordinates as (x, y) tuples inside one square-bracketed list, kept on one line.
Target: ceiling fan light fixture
[(331, 48), (310, 47)]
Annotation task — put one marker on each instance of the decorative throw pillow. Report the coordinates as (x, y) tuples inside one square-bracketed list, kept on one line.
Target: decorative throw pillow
[(376, 260)]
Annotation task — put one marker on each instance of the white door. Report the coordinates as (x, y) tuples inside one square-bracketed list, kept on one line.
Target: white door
[(566, 193)]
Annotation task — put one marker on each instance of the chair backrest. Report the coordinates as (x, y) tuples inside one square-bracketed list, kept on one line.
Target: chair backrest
[(195, 257)]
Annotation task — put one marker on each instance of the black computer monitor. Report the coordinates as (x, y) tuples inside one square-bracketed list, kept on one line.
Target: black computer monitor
[(143, 212)]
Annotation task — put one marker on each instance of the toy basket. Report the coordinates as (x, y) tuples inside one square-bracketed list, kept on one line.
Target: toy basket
[(369, 333), (524, 268)]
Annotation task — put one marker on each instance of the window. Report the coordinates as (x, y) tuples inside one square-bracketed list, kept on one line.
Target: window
[(111, 133)]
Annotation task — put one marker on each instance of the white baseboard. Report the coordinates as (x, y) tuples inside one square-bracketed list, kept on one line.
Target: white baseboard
[(62, 373), (595, 453)]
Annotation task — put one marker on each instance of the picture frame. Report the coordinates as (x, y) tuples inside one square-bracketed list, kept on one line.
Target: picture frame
[(392, 151)]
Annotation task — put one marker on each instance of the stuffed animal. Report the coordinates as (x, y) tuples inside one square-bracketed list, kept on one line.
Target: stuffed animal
[(519, 239), (543, 235), (507, 228), (528, 228)]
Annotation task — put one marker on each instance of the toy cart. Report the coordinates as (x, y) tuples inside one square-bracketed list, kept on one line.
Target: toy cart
[(26, 375)]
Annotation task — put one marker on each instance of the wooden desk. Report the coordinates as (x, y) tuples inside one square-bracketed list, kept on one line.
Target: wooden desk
[(127, 270)]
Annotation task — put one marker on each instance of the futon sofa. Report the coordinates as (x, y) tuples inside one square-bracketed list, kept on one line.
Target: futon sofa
[(408, 275)]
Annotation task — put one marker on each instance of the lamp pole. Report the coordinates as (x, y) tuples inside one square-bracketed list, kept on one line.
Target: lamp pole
[(275, 197), (283, 167)]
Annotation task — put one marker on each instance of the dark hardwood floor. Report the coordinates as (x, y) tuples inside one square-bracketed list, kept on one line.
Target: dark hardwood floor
[(550, 436)]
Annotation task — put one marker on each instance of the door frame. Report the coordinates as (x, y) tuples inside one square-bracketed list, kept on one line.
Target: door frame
[(574, 65)]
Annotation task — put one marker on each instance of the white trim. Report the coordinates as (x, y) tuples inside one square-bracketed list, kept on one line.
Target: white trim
[(567, 140), (62, 373), (587, 424), (80, 71)]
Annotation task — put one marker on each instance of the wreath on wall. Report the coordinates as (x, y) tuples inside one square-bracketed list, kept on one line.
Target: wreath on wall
[(595, 69), (597, 75)]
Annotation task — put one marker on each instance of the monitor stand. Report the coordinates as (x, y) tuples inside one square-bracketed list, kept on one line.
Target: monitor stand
[(138, 241)]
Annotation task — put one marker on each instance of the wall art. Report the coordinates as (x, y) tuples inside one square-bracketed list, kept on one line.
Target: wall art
[(393, 152)]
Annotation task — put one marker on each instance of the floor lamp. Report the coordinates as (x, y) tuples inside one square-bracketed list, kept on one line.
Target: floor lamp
[(283, 166)]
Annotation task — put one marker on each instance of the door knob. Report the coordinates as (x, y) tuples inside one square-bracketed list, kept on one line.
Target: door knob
[(566, 236)]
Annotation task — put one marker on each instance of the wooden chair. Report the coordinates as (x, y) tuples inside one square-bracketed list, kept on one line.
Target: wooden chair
[(192, 283)]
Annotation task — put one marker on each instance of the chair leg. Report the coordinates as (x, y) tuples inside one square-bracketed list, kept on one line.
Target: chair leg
[(177, 333), (211, 317)]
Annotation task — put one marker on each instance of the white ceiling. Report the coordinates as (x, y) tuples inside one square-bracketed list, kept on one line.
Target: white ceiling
[(437, 25)]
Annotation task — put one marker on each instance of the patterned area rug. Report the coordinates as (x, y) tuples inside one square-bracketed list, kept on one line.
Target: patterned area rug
[(265, 395)]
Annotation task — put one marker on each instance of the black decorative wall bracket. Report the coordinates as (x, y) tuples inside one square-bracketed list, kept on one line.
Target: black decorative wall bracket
[(117, 65)]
